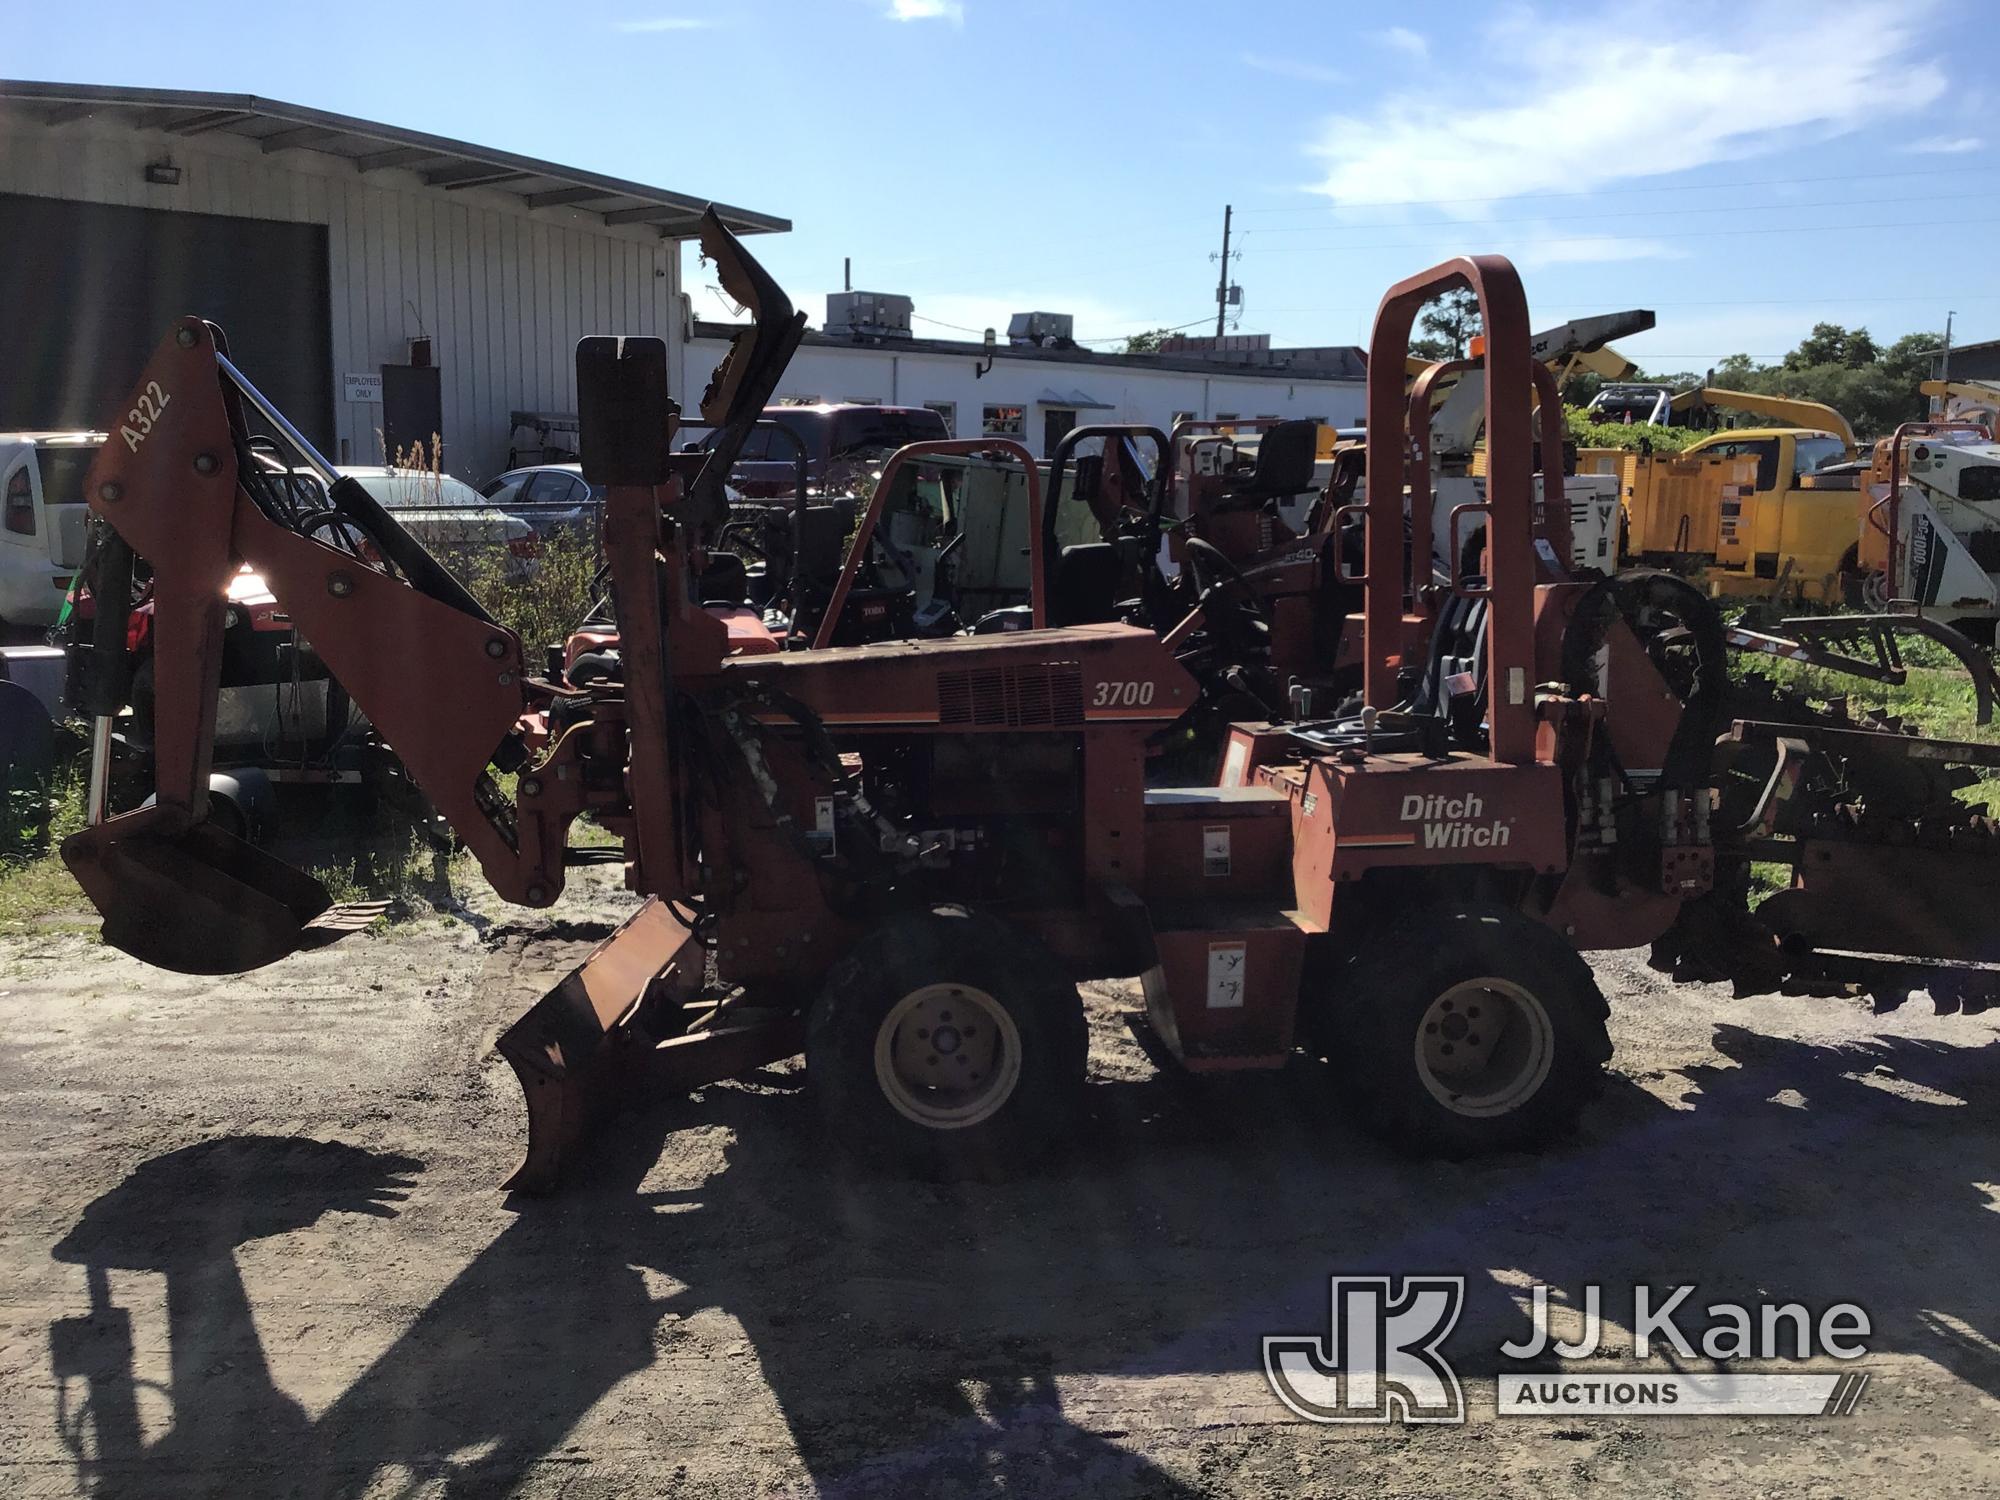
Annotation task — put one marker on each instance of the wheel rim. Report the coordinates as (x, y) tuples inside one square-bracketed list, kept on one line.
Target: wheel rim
[(1484, 1047), (947, 1056)]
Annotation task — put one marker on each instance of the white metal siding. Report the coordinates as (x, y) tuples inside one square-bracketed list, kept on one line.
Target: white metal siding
[(1131, 393), (504, 292)]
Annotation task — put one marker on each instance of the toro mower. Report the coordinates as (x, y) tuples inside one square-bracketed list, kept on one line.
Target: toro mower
[(900, 858)]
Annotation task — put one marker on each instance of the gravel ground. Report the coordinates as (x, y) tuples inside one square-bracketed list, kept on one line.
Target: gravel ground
[(250, 1244)]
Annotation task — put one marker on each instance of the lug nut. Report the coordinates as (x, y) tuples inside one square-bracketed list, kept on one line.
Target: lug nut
[(496, 648), (109, 491), (204, 463), (184, 337), (530, 787), (340, 585), (537, 894)]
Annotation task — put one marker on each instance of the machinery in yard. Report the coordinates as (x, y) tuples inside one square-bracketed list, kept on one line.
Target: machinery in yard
[(1930, 523), (900, 857), (1763, 513)]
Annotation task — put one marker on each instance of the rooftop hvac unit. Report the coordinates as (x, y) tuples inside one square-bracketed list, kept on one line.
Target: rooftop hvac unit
[(1044, 330), (881, 315)]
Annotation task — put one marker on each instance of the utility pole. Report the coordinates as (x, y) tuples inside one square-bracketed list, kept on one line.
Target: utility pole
[(847, 273), (1944, 365), (1222, 280)]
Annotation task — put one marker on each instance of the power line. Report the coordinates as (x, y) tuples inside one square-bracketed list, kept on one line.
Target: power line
[(978, 333), (1114, 338), (1109, 338)]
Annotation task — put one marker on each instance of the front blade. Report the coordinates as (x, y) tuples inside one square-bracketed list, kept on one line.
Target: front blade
[(577, 1049)]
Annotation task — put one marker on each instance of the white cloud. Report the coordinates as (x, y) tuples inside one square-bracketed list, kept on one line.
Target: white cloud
[(1574, 106), (1286, 67), (927, 10), (667, 23), (1402, 39), (1589, 249), (1946, 145)]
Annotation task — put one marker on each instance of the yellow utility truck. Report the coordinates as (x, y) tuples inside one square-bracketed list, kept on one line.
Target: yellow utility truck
[(1751, 512)]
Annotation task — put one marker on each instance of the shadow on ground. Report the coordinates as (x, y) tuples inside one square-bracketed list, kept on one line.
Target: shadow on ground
[(913, 1335)]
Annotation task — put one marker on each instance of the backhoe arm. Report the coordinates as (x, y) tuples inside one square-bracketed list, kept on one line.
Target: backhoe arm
[(441, 681)]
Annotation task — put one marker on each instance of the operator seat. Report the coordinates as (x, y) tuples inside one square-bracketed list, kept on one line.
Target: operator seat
[(819, 543), (1085, 587), (1444, 706), (1453, 685), (1286, 455)]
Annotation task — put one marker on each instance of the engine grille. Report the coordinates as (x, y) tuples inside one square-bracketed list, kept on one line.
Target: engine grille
[(1012, 696)]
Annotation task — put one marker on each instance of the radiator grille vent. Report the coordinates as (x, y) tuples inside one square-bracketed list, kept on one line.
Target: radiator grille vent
[(1012, 696)]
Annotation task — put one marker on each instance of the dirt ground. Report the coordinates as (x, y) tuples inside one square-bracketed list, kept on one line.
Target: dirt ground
[(250, 1244)]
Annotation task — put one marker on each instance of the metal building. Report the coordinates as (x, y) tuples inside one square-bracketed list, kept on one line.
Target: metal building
[(372, 280)]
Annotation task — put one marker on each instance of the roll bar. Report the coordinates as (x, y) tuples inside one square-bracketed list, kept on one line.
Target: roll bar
[(1503, 308), (1892, 529), (1163, 477), (885, 482)]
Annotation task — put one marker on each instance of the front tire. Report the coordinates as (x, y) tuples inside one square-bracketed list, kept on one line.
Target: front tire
[(948, 1045), (1467, 1030)]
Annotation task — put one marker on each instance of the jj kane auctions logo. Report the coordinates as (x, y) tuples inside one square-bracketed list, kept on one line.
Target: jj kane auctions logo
[(1382, 1360)]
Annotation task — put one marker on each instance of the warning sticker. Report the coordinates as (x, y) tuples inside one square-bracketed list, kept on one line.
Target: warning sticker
[(1226, 963), (1215, 850), (821, 838), (1234, 763)]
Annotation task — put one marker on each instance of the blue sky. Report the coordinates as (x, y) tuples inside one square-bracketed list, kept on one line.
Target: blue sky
[(1758, 166)]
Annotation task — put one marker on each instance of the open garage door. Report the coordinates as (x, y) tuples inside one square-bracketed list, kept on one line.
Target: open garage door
[(87, 290)]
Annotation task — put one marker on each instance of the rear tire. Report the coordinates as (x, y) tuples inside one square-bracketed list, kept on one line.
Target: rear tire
[(1411, 1031), (947, 1045)]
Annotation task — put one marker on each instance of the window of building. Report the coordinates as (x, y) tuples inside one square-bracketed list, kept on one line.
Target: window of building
[(1225, 416), (1001, 421), (1178, 418), (861, 400), (949, 411)]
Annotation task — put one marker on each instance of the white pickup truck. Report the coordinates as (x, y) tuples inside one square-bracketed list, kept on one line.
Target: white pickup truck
[(42, 513)]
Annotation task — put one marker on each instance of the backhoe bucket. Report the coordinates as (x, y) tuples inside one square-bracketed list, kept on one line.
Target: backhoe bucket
[(615, 1032), (198, 900)]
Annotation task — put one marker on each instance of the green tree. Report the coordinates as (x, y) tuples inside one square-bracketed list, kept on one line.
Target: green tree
[(1872, 386), (1147, 342), (1449, 323)]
